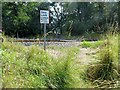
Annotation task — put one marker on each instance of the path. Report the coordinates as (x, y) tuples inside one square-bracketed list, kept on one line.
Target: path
[(86, 56)]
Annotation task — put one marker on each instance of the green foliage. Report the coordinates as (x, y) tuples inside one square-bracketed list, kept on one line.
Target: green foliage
[(94, 44), (22, 18), (70, 18)]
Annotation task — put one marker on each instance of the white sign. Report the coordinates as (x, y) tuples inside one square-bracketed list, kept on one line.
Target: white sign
[(44, 16)]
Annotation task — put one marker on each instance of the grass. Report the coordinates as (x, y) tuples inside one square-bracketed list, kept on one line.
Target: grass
[(0, 67), (106, 70), (31, 67), (94, 44)]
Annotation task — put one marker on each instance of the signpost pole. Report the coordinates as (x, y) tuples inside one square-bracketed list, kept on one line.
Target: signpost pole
[(44, 19), (44, 36)]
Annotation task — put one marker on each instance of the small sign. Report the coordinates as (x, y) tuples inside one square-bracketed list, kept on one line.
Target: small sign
[(44, 16)]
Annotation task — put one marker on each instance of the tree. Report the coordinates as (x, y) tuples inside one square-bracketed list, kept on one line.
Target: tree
[(22, 18), (70, 18)]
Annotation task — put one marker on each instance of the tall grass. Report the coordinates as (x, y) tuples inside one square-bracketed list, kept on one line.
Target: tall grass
[(31, 67), (107, 68)]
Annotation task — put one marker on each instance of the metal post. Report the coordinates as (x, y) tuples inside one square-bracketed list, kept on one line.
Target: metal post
[(45, 36)]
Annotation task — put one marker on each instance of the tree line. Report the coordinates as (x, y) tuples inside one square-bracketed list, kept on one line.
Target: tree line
[(66, 18)]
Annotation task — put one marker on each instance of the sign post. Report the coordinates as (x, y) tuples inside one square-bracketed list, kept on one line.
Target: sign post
[(45, 36), (44, 19)]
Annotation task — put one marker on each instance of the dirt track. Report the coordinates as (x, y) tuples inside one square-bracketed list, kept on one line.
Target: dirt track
[(86, 56)]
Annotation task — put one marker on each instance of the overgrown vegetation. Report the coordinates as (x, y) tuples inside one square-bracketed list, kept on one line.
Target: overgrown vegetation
[(33, 67), (105, 72), (30, 66)]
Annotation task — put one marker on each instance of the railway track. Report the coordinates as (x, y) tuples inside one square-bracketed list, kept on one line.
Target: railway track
[(29, 42), (38, 40)]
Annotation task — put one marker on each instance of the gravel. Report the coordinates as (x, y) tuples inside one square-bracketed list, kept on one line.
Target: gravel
[(61, 44)]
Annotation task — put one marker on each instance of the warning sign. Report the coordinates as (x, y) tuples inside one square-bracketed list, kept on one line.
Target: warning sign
[(44, 16)]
